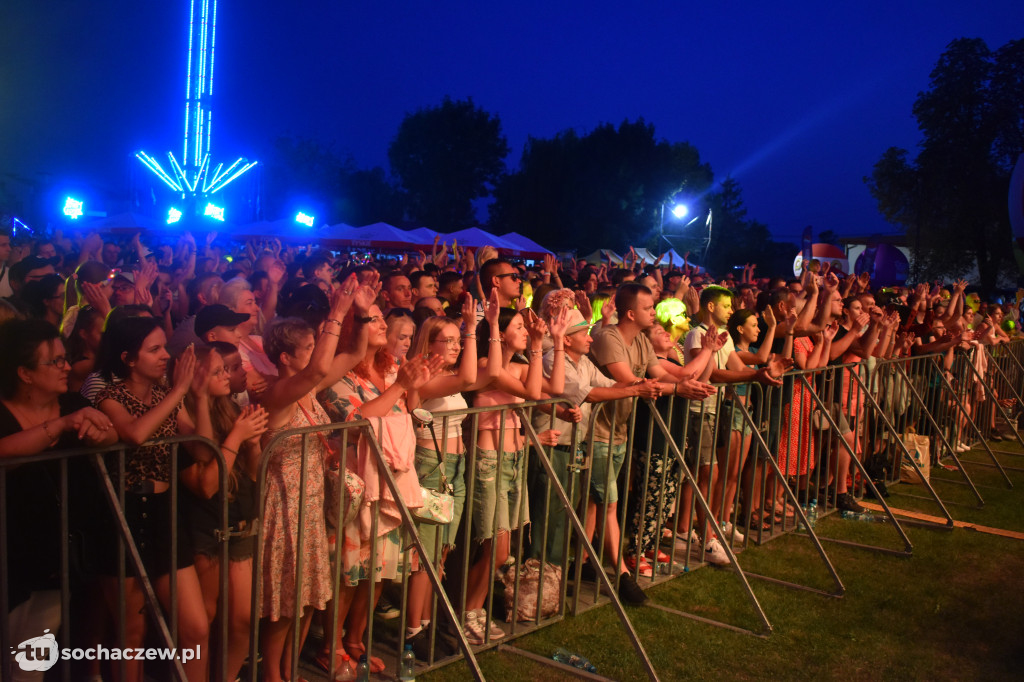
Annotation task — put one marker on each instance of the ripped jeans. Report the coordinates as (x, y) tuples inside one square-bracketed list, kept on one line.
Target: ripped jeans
[(499, 498)]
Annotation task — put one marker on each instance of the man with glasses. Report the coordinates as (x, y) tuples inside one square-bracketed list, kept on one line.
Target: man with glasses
[(499, 274)]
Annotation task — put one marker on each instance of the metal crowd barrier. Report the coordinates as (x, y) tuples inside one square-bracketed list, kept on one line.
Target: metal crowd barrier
[(777, 429), (90, 495)]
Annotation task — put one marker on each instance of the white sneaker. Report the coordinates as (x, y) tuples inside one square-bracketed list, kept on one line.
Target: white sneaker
[(714, 553), (733, 532), (496, 632), (961, 447), (474, 628)]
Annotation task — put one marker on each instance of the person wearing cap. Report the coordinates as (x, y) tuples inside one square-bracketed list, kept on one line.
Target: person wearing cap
[(584, 384), (122, 288), (219, 323)]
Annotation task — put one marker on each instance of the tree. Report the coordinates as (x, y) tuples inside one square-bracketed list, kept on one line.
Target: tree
[(602, 189), (737, 240), (951, 199), (445, 158), (308, 173)]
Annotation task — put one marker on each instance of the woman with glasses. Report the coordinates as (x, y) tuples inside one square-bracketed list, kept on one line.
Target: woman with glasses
[(376, 387), (37, 415), (441, 337)]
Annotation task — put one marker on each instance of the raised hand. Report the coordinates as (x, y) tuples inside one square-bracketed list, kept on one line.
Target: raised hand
[(415, 372), (185, 369), (559, 324), (831, 331), (277, 271), (95, 296), (831, 281), (492, 308), (343, 296), (608, 309), (535, 326), (583, 303), (691, 299), (468, 313), (251, 423), (769, 317)]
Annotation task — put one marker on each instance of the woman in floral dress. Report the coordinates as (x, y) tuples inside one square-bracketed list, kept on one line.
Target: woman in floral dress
[(304, 366)]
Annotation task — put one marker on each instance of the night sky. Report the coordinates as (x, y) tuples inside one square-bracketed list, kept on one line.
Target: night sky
[(795, 100)]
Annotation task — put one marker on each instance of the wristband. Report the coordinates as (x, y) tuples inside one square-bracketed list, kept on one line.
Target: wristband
[(494, 340), (469, 336)]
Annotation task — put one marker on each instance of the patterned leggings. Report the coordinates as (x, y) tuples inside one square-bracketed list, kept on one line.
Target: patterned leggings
[(660, 487)]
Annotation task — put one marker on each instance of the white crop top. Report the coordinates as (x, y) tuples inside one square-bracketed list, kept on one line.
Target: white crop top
[(445, 404)]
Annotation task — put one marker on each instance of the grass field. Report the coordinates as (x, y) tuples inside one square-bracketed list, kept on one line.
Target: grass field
[(952, 611)]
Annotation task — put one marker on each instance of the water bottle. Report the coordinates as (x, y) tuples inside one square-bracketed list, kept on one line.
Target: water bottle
[(575, 660), (863, 516), (811, 512), (346, 671), (363, 670), (407, 666)]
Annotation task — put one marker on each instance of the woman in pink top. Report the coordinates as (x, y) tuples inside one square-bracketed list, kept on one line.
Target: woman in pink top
[(499, 497)]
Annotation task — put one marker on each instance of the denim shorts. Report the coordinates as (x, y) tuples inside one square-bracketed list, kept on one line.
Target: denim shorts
[(606, 456), (499, 499), (428, 470)]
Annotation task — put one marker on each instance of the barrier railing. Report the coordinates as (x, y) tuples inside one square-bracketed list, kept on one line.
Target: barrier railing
[(790, 442), (92, 511)]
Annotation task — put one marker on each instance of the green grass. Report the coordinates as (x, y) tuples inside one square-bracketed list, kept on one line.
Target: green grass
[(952, 611)]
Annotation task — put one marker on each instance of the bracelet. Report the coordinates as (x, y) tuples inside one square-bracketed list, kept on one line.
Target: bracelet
[(535, 352), (47, 431), (494, 340), (232, 451), (469, 336), (558, 350), (331, 319), (335, 334)]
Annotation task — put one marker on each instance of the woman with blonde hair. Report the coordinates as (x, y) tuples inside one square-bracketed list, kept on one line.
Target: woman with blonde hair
[(442, 338), (210, 412)]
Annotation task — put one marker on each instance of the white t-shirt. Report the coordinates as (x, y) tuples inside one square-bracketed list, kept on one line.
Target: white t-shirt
[(720, 358)]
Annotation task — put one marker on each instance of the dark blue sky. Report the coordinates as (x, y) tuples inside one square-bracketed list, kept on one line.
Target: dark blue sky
[(795, 100)]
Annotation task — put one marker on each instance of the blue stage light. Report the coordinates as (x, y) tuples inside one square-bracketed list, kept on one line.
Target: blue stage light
[(215, 212), (306, 220), (73, 208), (173, 216)]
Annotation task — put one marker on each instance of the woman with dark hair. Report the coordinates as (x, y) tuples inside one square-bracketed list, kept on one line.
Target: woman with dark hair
[(97, 380), (500, 469), (306, 364), (142, 408), (82, 343), (45, 298), (37, 414)]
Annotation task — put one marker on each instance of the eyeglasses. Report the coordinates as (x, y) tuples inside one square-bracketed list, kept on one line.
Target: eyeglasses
[(514, 275), (59, 362), (453, 342)]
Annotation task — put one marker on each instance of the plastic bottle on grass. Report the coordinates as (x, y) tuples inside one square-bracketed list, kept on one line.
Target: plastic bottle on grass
[(811, 512), (407, 666), (575, 660)]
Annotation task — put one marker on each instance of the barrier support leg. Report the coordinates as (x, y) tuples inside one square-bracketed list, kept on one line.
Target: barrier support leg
[(827, 415), (941, 434), (577, 525), (970, 419)]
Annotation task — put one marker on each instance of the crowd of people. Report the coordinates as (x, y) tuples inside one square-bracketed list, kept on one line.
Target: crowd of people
[(108, 340)]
